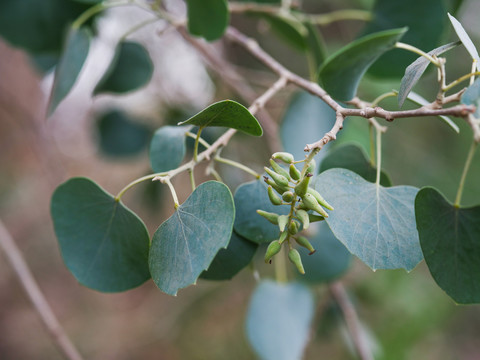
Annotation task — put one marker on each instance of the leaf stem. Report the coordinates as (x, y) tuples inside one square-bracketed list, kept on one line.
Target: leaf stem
[(237, 165), (372, 144), (138, 27), (400, 45), (339, 15), (454, 83), (195, 148), (192, 178), (379, 156), (382, 97), (133, 183), (280, 266), (468, 162), (87, 14), (200, 140), (166, 180)]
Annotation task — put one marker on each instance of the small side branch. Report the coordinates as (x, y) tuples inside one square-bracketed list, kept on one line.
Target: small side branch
[(329, 136), (36, 296)]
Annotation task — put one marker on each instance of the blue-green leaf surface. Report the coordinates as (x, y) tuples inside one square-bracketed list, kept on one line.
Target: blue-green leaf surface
[(227, 113), (249, 198), (168, 148), (70, 65), (278, 320), (376, 224), (306, 120), (130, 69), (103, 243), (186, 243), (450, 240), (471, 96), (465, 39), (207, 18), (341, 72), (228, 262)]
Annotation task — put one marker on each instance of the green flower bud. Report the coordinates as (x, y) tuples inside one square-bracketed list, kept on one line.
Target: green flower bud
[(280, 180), (283, 237), (283, 156), (274, 198), (272, 217), (295, 174), (303, 241), (311, 167), (282, 222), (273, 249), (302, 215), (293, 227), (302, 186), (315, 218), (312, 204), (288, 196), (294, 257), (320, 199), (273, 184), (279, 170)]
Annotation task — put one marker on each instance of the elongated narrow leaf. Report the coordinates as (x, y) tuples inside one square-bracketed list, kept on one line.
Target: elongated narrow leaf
[(415, 70), (187, 242), (419, 100), (465, 39), (207, 18), (103, 243), (353, 157), (425, 21), (376, 224), (249, 198), (275, 310), (168, 148), (341, 73), (228, 262), (227, 113), (130, 69), (471, 96), (450, 240), (306, 120), (70, 65)]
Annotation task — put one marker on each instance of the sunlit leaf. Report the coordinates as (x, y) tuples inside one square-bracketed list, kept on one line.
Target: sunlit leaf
[(375, 223), (450, 240), (103, 243), (187, 242), (168, 148), (465, 39), (341, 72), (207, 18)]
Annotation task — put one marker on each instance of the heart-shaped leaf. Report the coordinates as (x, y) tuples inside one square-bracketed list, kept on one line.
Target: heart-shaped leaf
[(228, 262), (330, 260), (341, 72), (130, 69), (425, 21), (70, 65), (471, 96), (186, 243), (227, 113), (277, 309), (207, 18), (415, 70), (168, 148), (465, 39), (353, 157), (249, 198), (103, 243), (450, 240), (376, 224)]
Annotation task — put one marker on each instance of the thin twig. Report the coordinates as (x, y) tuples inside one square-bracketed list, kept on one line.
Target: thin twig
[(36, 296), (351, 319)]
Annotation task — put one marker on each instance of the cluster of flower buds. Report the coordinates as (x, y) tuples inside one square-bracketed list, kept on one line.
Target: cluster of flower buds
[(291, 187)]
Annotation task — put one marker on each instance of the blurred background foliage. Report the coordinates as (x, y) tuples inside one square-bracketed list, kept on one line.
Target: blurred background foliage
[(406, 316)]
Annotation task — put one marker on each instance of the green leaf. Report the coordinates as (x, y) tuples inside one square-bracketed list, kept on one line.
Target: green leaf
[(103, 243), (419, 100), (207, 18), (376, 224), (306, 120), (426, 24), (290, 29), (249, 198), (353, 158), (70, 65), (187, 242), (227, 113), (471, 96), (341, 73), (38, 26), (465, 39), (130, 69), (168, 148), (330, 260), (415, 70), (228, 262), (278, 320), (450, 240), (121, 135), (316, 45)]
